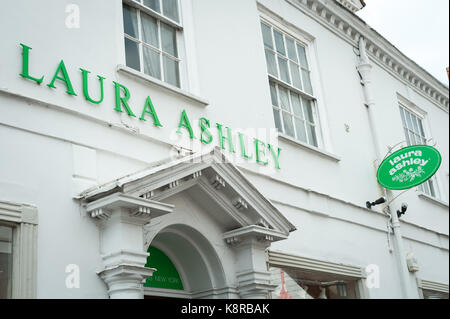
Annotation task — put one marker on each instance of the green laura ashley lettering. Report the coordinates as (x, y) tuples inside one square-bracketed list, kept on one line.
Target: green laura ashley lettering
[(260, 148), (261, 151), (62, 75), (149, 109), (184, 122), (204, 126), (222, 138), (243, 151), (86, 87), (276, 155), (122, 100), (65, 78), (26, 65)]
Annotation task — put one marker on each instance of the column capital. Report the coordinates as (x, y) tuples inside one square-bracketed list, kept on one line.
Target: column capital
[(253, 234), (249, 244), (137, 207), (121, 219)]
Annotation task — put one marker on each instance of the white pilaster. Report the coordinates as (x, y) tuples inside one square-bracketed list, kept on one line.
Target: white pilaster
[(121, 219), (250, 244)]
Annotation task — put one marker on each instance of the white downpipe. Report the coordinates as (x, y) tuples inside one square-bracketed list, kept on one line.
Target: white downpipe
[(365, 68)]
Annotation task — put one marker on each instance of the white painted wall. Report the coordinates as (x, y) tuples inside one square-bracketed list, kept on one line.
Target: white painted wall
[(40, 165)]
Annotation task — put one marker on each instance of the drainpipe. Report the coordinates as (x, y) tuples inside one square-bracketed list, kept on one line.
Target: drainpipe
[(364, 68)]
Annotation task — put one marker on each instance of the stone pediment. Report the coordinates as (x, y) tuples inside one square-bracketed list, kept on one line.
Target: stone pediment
[(219, 181)]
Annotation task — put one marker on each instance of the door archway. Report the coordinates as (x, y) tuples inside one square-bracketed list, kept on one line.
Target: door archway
[(195, 260)]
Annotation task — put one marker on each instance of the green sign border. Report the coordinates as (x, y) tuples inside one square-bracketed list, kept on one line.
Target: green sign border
[(400, 151)]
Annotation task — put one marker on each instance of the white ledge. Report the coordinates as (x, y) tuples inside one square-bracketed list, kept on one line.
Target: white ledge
[(307, 147), (432, 199), (144, 77)]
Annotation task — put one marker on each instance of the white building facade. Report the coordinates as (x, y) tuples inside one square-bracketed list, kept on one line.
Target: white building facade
[(213, 149)]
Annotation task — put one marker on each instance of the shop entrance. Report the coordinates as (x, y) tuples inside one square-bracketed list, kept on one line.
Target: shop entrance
[(186, 265)]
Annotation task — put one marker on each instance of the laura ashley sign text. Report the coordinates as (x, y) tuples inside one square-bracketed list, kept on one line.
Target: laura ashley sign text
[(264, 153)]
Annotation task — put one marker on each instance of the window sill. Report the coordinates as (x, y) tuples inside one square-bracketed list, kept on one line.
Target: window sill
[(432, 199), (309, 147), (129, 71)]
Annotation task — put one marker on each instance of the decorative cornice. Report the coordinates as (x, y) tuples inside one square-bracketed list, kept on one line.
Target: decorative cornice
[(136, 206), (261, 234), (352, 5), (18, 213), (351, 28)]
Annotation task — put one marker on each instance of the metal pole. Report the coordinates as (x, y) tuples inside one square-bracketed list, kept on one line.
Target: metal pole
[(365, 68)]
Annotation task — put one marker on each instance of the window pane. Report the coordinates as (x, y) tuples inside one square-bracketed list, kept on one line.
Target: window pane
[(306, 82), (296, 105), (409, 121), (276, 115), (291, 49), (6, 252), (408, 141), (279, 42), (171, 71), (271, 63), (413, 138), (402, 114), (169, 39), (308, 110), (312, 135), (273, 94), (152, 64), (418, 139), (132, 54), (415, 125), (149, 30), (296, 76), (426, 188), (153, 4), (432, 190), (288, 125), (170, 9), (284, 98), (130, 24), (301, 131), (302, 54), (284, 71), (267, 35), (422, 132)]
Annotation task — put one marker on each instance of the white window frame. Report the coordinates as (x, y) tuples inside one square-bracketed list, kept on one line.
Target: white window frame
[(431, 286), (422, 115), (310, 44), (24, 220), (178, 26), (280, 259)]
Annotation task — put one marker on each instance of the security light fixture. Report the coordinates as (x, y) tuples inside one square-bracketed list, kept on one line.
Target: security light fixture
[(379, 201), (402, 211)]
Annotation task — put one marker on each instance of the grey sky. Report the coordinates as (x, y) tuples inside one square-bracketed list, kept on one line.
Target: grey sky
[(418, 28)]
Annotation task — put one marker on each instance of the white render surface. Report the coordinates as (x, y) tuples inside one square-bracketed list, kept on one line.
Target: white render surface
[(53, 145)]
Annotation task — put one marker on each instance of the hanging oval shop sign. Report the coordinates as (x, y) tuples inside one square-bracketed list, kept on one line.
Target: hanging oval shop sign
[(409, 167)]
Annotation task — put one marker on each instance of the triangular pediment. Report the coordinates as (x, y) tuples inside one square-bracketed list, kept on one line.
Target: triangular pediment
[(210, 176)]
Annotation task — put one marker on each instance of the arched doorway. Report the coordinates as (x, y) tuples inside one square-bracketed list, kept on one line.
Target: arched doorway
[(181, 251)]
